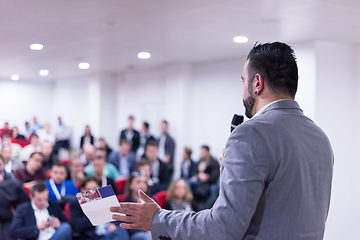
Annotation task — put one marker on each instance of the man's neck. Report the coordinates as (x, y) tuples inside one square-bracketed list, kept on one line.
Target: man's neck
[(262, 102), (7, 160), (30, 170)]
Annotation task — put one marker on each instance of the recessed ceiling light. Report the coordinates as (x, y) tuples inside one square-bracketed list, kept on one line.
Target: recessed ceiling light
[(14, 77), (144, 55), (84, 65), (240, 39), (36, 46), (44, 72)]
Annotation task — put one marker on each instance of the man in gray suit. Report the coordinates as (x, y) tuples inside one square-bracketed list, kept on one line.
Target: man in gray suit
[(276, 171)]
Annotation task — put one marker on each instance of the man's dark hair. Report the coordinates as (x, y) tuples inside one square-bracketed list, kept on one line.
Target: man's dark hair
[(59, 165), (142, 162), (34, 135), (86, 180), (188, 151), (38, 187), (131, 117), (40, 153), (164, 121), (146, 124), (123, 140), (152, 143), (276, 63), (206, 147)]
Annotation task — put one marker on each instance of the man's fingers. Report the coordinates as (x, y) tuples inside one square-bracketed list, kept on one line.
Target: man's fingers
[(129, 226), (123, 210), (128, 219), (145, 197)]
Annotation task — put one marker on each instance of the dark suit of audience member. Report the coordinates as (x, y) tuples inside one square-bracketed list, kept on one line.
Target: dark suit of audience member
[(159, 177), (83, 229), (50, 161), (109, 181), (11, 192), (188, 169), (82, 140), (24, 224), (135, 140), (130, 159)]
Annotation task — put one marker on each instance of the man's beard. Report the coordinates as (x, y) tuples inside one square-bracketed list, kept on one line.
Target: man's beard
[(249, 103)]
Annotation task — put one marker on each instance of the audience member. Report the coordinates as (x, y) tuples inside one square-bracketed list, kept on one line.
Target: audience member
[(131, 135), (88, 154), (58, 186), (6, 130), (11, 164), (40, 219), (35, 125), (11, 192), (33, 170), (16, 135), (166, 148), (87, 137), (188, 166), (124, 160), (27, 131), (207, 173), (50, 158), (179, 197), (45, 134), (104, 172), (83, 227), (103, 145), (62, 136), (136, 181), (159, 171), (15, 148), (34, 146), (77, 174), (145, 136), (4, 175), (144, 166)]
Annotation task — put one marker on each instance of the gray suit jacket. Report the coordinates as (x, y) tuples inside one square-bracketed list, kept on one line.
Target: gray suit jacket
[(275, 183)]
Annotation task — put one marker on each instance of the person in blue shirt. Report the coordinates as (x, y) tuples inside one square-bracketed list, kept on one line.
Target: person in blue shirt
[(58, 186)]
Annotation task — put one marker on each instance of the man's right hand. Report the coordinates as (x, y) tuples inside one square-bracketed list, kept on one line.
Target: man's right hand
[(43, 225)]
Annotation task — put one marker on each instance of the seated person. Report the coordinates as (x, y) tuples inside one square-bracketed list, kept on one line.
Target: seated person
[(5, 130), (16, 135), (159, 171), (110, 170), (45, 134), (88, 154), (4, 175), (15, 148), (40, 219), (77, 174), (100, 171), (103, 145), (136, 181), (124, 160), (207, 173), (58, 186), (49, 157), (11, 164), (87, 137), (83, 227), (34, 146), (33, 170), (179, 197), (11, 193), (188, 166)]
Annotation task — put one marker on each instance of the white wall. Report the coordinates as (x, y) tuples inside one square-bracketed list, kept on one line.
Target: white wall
[(21, 101)]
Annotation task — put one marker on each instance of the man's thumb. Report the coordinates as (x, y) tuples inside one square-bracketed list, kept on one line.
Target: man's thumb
[(144, 197)]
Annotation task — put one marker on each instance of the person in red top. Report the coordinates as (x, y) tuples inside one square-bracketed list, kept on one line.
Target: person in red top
[(5, 130)]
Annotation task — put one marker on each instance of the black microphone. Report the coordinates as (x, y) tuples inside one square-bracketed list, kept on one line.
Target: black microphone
[(236, 120)]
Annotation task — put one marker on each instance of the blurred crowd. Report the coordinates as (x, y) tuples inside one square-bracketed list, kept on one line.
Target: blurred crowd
[(40, 175)]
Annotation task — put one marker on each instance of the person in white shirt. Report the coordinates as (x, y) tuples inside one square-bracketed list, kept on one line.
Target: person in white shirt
[(34, 146), (40, 219), (45, 134)]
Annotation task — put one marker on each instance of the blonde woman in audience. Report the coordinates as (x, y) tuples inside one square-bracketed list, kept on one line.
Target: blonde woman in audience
[(179, 197)]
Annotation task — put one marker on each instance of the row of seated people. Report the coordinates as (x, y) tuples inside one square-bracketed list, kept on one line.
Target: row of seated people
[(50, 223)]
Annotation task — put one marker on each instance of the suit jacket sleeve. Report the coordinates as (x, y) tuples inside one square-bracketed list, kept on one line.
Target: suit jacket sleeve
[(170, 147), (243, 174), (55, 210), (24, 223)]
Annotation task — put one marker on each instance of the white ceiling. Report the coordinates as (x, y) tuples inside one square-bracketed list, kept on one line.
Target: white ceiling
[(109, 33)]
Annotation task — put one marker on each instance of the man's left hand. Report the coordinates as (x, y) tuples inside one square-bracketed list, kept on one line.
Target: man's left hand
[(138, 215)]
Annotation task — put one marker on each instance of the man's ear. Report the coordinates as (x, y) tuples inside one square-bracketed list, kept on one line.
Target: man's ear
[(258, 84)]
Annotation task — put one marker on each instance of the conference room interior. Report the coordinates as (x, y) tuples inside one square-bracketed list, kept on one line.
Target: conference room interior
[(191, 78)]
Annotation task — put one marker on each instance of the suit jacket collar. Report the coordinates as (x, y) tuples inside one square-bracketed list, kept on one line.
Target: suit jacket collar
[(282, 104)]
